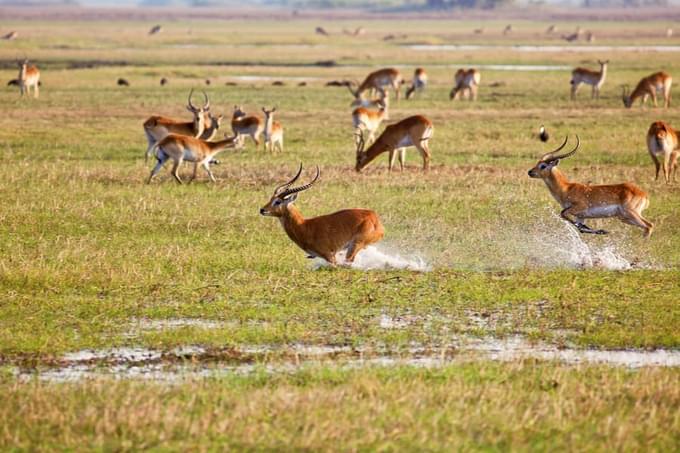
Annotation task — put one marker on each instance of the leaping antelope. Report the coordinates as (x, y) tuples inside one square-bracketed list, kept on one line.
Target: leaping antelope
[(367, 120), (649, 86), (156, 127), (593, 78), (379, 80), (664, 146), (273, 131), (466, 81), (584, 201), (182, 148), (326, 235), (412, 131), (243, 124), (419, 82), (29, 76)]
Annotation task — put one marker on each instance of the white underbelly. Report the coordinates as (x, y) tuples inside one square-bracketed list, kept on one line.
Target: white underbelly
[(602, 211)]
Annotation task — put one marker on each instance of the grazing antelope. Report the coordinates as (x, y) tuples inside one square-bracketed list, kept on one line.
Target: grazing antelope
[(182, 148), (123, 82), (243, 125), (584, 201), (379, 80), (326, 235), (157, 127), (367, 120), (593, 78), (664, 146), (29, 76), (412, 131), (648, 86), (543, 134), (273, 131), (466, 81), (11, 36), (321, 31), (164, 81), (419, 82)]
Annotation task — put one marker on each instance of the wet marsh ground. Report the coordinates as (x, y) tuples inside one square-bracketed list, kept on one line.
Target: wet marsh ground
[(93, 259)]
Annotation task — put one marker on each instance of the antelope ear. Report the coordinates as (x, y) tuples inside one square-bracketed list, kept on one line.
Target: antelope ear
[(290, 199)]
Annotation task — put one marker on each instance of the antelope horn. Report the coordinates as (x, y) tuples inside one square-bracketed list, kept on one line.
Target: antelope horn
[(360, 142), (191, 106), (549, 156), (301, 188), (564, 156), (206, 106), (286, 185)]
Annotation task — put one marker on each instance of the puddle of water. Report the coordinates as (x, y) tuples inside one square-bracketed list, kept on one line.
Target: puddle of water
[(140, 363), (546, 48), (371, 258)]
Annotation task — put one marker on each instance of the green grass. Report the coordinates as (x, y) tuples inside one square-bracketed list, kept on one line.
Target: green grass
[(86, 248)]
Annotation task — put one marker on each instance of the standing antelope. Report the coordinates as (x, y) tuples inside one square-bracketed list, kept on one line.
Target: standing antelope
[(378, 81), (419, 82), (593, 78), (182, 148), (326, 235), (156, 127), (29, 76), (412, 131), (367, 120), (664, 146), (649, 86), (466, 81), (243, 125), (273, 131), (584, 201)]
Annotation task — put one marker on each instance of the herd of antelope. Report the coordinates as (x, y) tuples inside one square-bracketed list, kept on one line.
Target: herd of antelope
[(353, 229)]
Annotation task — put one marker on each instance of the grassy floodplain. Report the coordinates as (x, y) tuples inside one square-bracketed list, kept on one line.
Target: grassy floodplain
[(89, 250)]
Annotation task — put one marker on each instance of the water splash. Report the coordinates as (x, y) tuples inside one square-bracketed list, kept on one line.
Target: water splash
[(371, 258)]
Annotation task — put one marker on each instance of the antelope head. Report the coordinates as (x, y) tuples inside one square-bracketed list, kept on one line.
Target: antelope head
[(285, 195), (196, 110), (550, 160), (627, 102), (267, 113), (238, 112), (362, 156), (603, 63)]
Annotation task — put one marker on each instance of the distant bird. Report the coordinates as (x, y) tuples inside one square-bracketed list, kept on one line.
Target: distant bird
[(123, 82), (10, 36), (321, 31), (207, 81), (164, 81), (302, 84), (155, 29), (278, 83), (543, 134)]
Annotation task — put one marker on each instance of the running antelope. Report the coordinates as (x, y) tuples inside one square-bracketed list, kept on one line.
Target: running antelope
[(378, 81), (157, 127), (182, 148), (412, 131), (584, 201), (29, 76), (649, 86), (663, 146), (419, 82), (594, 78), (326, 235), (466, 81), (273, 131), (367, 120), (243, 125)]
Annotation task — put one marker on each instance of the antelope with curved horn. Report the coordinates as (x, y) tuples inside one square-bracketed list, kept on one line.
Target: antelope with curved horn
[(379, 80), (273, 131), (649, 86), (412, 131), (466, 81), (243, 125), (594, 78), (664, 146), (204, 125), (29, 76), (419, 82), (182, 148), (584, 201), (326, 235), (367, 120)]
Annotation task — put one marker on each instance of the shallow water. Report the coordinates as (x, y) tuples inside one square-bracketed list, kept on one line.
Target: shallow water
[(542, 48), (194, 362)]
